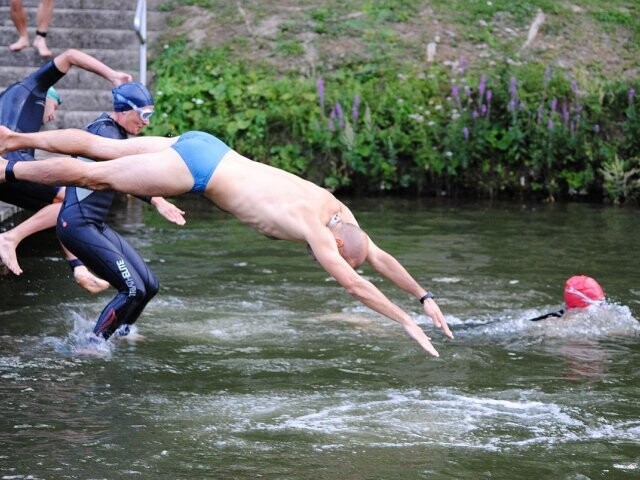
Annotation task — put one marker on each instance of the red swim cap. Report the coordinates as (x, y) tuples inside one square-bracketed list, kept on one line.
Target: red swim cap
[(581, 291)]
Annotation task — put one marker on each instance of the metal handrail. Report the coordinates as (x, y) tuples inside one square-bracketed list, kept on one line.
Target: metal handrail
[(140, 26)]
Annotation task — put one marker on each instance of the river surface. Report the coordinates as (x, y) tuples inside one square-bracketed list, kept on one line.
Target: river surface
[(255, 364)]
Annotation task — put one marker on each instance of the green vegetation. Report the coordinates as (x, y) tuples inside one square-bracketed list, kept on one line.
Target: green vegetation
[(342, 94)]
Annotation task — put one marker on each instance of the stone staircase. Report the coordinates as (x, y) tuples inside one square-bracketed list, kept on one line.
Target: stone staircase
[(101, 28)]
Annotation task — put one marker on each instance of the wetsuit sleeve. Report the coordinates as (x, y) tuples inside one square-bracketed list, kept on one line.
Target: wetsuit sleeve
[(42, 79)]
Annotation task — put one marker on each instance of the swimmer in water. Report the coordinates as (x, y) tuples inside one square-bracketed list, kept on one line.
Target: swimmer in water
[(580, 291)]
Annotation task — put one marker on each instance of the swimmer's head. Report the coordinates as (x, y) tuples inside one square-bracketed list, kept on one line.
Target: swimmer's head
[(353, 243), (581, 291), (51, 104), (131, 95), (133, 106)]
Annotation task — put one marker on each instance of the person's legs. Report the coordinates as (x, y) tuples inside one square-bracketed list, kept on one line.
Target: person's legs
[(43, 19), (111, 257), (73, 141), (162, 174), (136, 264), (19, 17)]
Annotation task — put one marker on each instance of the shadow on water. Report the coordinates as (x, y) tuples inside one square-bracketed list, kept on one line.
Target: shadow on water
[(256, 365)]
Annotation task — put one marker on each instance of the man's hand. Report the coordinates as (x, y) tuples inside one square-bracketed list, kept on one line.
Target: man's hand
[(121, 77), (415, 332), (168, 210), (432, 309)]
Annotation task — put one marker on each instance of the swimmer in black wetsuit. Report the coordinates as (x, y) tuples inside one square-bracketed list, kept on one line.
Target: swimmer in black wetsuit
[(82, 224), (25, 106)]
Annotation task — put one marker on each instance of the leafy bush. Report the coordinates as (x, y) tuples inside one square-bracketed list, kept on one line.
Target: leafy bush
[(367, 128)]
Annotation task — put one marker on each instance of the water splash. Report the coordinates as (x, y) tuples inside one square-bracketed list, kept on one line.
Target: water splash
[(597, 321)]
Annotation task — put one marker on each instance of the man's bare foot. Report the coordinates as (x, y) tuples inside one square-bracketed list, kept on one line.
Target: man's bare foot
[(8, 254), (5, 135), (40, 44), (88, 280), (21, 43)]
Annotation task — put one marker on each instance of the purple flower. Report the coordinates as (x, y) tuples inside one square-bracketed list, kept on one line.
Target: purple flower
[(489, 96), (539, 114), (474, 114), (340, 115), (596, 128), (550, 124), (574, 87), (455, 93), (513, 88), (554, 105), (320, 88), (483, 110), (355, 108), (565, 112), (467, 91), (332, 119), (465, 133), (511, 106), (632, 94), (463, 64), (482, 86)]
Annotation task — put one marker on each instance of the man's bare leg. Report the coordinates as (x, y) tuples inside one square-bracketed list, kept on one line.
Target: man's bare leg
[(73, 141), (43, 18), (19, 17)]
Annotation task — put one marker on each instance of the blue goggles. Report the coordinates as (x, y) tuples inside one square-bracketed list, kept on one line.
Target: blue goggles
[(145, 115)]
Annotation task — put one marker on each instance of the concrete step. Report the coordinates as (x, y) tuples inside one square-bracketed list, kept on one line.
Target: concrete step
[(76, 118), (152, 5), (81, 38), (86, 100), (7, 211), (116, 59), (75, 78), (88, 18)]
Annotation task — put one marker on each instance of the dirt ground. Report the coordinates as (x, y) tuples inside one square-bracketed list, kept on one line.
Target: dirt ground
[(285, 35)]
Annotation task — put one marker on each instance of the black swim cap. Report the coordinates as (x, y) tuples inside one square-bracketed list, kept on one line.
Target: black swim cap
[(131, 95)]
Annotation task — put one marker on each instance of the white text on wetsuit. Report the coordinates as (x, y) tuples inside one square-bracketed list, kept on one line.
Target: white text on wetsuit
[(127, 277)]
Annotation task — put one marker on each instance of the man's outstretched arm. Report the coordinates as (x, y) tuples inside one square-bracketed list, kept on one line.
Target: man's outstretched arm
[(328, 256), (390, 268), (73, 141)]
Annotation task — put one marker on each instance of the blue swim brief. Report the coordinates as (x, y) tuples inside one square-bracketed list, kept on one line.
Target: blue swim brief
[(201, 153)]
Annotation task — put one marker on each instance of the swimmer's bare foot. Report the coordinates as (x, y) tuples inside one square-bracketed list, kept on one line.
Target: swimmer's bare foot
[(130, 337), (21, 43), (5, 136), (8, 254), (88, 280), (40, 44)]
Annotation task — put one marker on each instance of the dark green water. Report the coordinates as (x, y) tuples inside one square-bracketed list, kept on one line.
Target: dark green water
[(256, 365)]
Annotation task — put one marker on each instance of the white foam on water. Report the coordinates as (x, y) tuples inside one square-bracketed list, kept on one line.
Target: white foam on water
[(331, 420), (446, 279), (609, 320), (80, 340)]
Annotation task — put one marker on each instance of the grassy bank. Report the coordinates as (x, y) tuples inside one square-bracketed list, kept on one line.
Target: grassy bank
[(411, 96)]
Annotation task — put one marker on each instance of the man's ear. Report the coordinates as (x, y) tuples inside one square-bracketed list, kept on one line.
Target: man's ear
[(339, 242)]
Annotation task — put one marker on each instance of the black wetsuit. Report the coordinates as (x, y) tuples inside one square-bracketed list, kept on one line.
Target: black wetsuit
[(82, 229), (21, 110)]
